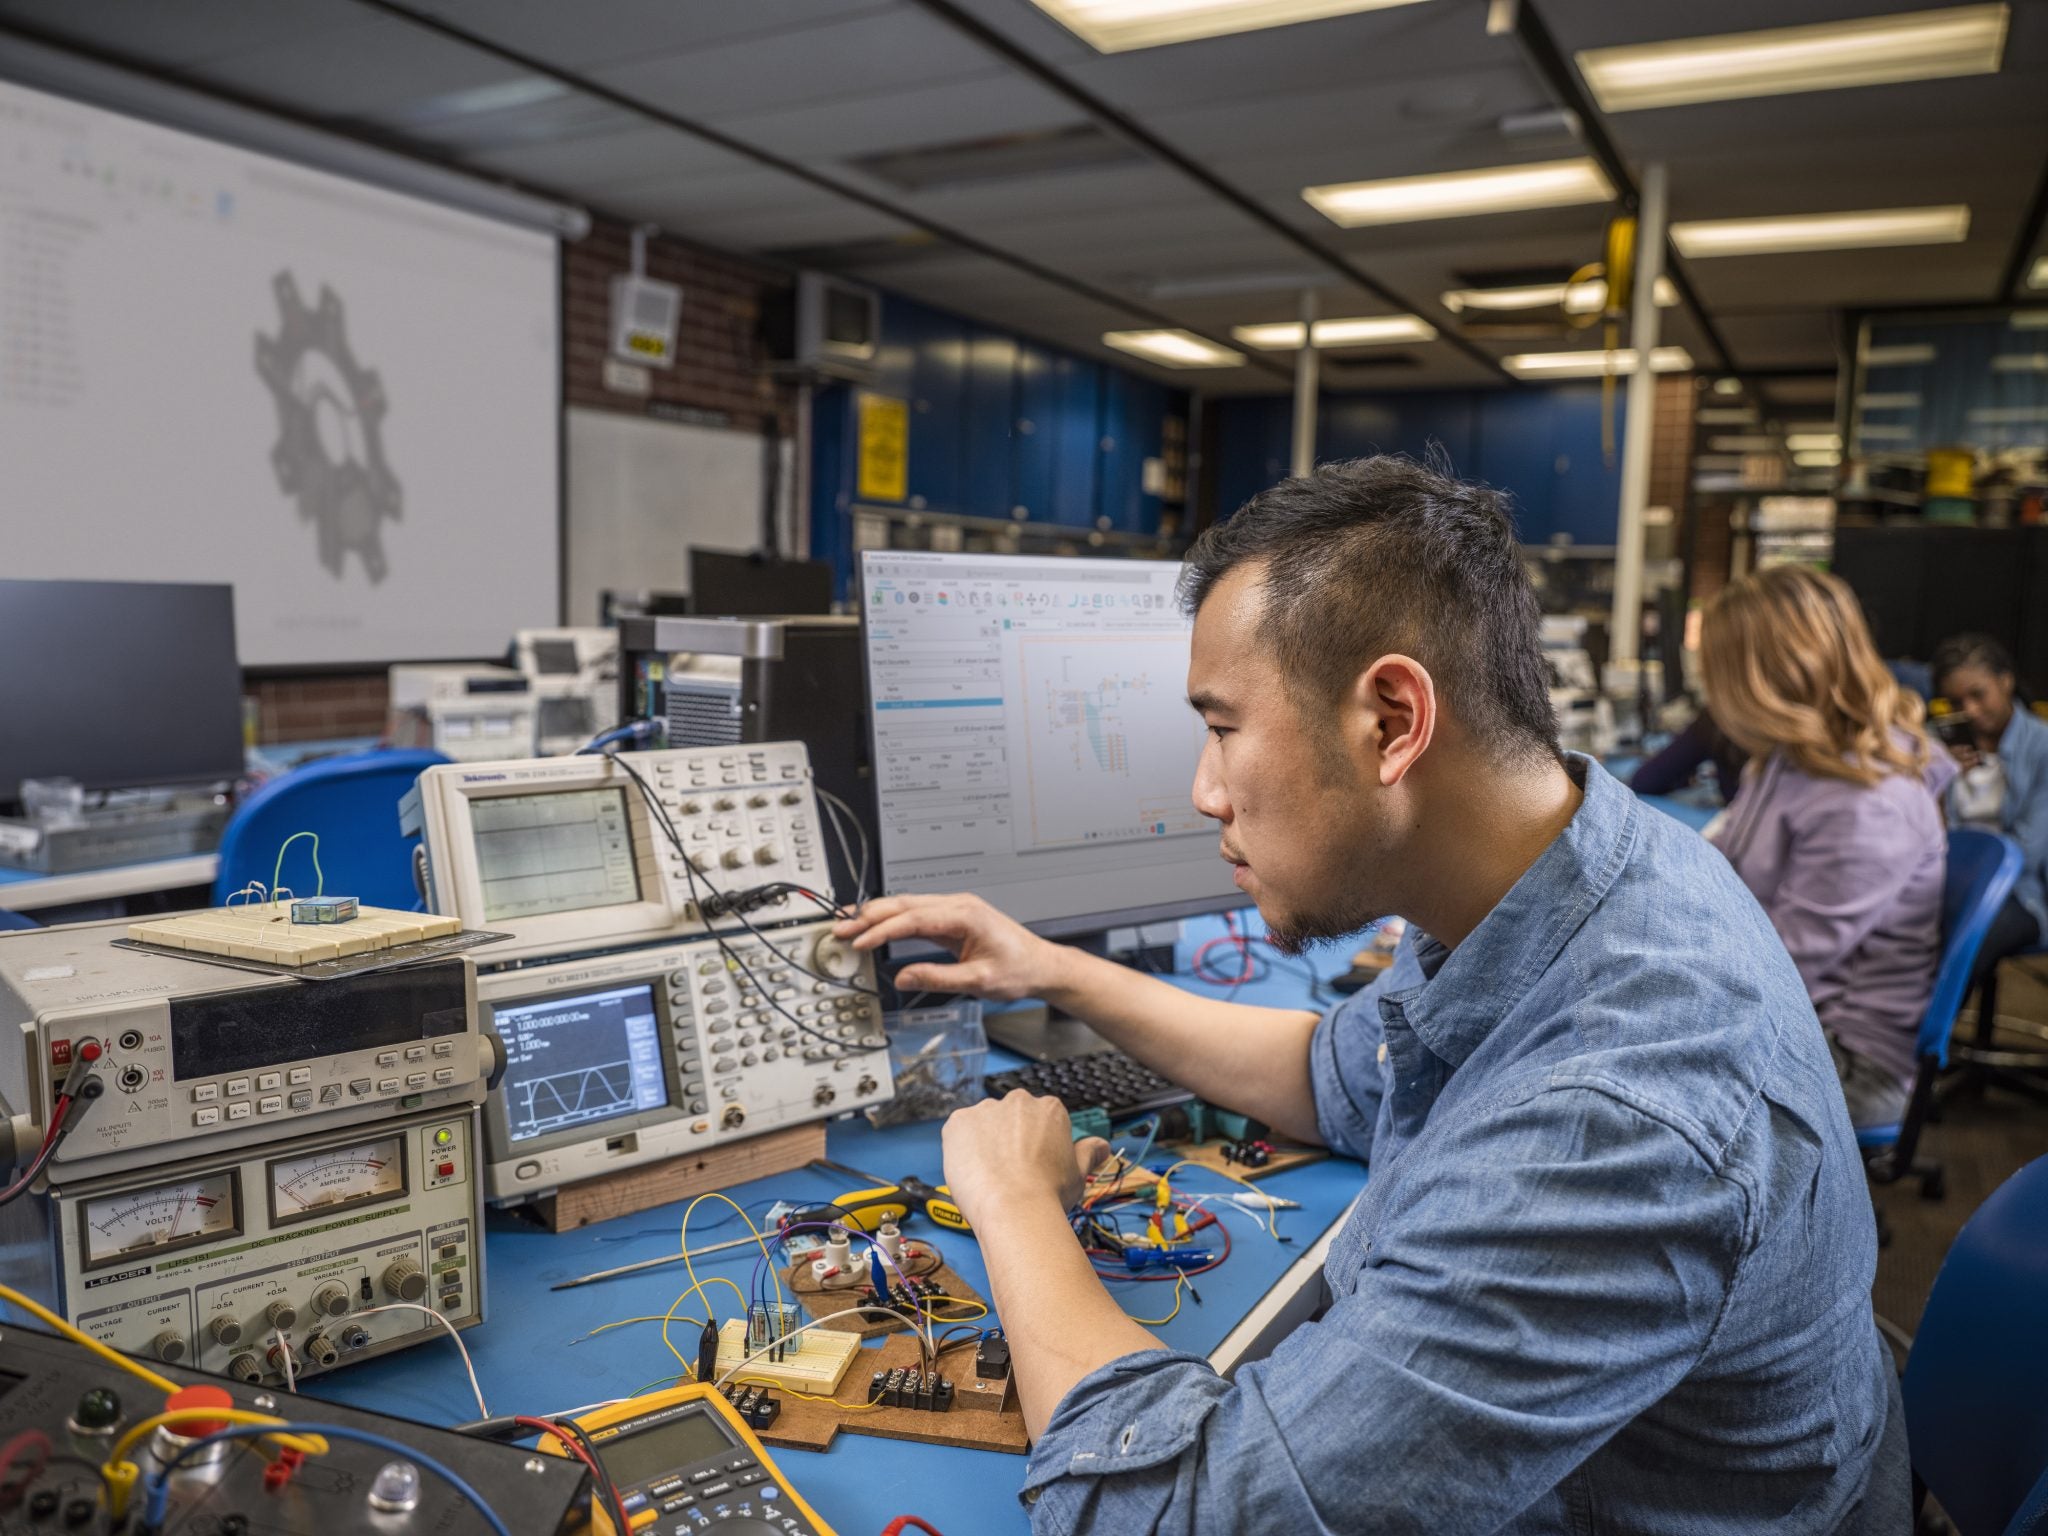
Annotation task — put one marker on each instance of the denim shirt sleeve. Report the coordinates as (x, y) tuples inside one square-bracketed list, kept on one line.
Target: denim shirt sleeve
[(1344, 1072), (1563, 1269)]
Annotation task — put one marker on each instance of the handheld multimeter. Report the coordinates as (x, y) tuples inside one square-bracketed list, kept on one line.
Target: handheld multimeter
[(685, 1459)]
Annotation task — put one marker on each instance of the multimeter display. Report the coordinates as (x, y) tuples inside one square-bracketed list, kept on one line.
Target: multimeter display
[(635, 1457)]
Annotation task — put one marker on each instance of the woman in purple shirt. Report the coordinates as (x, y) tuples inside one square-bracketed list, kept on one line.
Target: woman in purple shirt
[(1837, 829)]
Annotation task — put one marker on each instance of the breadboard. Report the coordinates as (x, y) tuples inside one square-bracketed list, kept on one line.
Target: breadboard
[(984, 1415), (797, 1279), (816, 1361), (266, 932)]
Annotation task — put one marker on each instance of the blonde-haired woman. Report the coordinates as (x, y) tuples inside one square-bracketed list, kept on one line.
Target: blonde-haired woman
[(1837, 828)]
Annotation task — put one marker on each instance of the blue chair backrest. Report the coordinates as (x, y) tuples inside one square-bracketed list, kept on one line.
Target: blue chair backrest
[(16, 920), (1982, 869), (352, 802), (1976, 1416)]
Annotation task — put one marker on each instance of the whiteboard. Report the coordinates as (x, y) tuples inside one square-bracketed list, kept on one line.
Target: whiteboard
[(219, 365), (642, 492)]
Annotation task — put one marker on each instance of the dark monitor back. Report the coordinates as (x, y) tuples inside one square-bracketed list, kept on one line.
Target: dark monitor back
[(118, 684), (752, 586)]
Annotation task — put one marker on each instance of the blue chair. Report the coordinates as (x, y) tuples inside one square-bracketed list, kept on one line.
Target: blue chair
[(1976, 1416), (1982, 868), (9, 920), (352, 802)]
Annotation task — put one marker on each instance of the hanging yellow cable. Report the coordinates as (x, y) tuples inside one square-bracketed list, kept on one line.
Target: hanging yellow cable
[(1620, 266)]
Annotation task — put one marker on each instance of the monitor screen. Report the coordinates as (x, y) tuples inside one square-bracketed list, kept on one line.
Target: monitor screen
[(575, 1060), (118, 684), (555, 658), (566, 716), (751, 586), (561, 852), (1033, 740)]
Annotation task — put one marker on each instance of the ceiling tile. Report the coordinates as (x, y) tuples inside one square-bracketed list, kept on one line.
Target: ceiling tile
[(182, 32), (373, 68), (982, 105), (575, 36)]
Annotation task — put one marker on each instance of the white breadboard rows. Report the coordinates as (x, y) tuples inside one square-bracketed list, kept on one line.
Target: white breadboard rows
[(815, 1362), (263, 931)]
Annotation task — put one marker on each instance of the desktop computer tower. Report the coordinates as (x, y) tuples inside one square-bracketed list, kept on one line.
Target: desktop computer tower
[(708, 682)]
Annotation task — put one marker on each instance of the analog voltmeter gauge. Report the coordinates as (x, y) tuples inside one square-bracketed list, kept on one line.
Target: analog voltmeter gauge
[(145, 1222), (336, 1178)]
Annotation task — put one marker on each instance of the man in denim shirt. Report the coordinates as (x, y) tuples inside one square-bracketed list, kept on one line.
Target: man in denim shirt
[(1612, 1268)]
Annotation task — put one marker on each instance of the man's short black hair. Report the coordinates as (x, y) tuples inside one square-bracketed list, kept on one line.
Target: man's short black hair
[(1970, 650), (1373, 556)]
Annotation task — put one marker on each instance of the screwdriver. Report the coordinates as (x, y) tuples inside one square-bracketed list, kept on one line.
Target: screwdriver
[(929, 1199)]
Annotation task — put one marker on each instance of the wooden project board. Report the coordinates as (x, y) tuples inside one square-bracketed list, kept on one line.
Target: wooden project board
[(1209, 1154), (984, 1415), (824, 1303), (265, 931), (678, 1178)]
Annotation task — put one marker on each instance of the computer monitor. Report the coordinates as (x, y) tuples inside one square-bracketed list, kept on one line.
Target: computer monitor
[(118, 684), (1033, 742), (754, 586)]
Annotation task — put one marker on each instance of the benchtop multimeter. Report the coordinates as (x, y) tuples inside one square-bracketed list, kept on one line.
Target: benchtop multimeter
[(684, 1459)]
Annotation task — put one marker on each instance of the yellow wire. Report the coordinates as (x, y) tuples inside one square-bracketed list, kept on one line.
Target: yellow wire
[(1179, 1284), (710, 1313), (44, 1315), (809, 1397), (980, 1308), (319, 889), (684, 1238), (120, 1474), (623, 1322)]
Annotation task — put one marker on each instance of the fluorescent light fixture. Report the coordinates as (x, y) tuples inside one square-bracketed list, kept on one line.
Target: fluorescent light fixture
[(2028, 319), (1995, 415), (1587, 298), (1903, 356), (2020, 362), (1783, 61), (1818, 458), (1725, 415), (1871, 432), (1891, 402), (1360, 331), (1501, 189), (1727, 386), (1579, 365), (1944, 224), (1814, 442), (1748, 443), (1173, 349), (2038, 277), (1116, 26)]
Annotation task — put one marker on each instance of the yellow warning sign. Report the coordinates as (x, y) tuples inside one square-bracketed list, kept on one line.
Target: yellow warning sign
[(884, 449)]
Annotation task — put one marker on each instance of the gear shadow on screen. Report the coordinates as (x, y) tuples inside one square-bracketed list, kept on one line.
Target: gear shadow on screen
[(329, 453)]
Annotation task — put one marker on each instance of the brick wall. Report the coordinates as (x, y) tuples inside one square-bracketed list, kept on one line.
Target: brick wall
[(1671, 444), (720, 372), (319, 708), (720, 367)]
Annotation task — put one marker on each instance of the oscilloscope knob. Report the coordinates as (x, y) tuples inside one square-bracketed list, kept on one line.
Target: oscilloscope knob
[(733, 858), (767, 853), (405, 1281), (835, 958)]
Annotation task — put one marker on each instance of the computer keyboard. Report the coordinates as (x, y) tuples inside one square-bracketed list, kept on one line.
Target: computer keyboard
[(1109, 1079)]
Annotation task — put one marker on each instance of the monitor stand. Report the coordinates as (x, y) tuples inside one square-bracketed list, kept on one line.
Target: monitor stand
[(1041, 1032)]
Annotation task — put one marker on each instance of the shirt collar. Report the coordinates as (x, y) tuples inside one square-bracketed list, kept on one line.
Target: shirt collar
[(1467, 990)]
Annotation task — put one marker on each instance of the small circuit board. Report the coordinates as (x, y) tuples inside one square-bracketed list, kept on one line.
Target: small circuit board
[(266, 931), (982, 1413), (816, 1361)]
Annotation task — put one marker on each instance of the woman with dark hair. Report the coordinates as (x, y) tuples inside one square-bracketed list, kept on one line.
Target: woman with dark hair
[(2004, 758)]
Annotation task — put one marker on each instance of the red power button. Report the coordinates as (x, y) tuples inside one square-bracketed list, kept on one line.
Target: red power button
[(446, 1170)]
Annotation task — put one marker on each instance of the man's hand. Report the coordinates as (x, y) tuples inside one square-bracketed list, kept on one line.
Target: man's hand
[(998, 957), (1018, 1147), (1966, 755)]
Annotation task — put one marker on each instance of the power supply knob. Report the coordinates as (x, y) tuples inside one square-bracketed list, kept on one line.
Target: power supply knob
[(732, 858), (168, 1346), (225, 1330), (405, 1281), (835, 958), (331, 1300), (282, 1314), (246, 1367)]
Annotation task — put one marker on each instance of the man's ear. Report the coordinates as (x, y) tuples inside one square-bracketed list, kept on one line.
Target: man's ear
[(1394, 704)]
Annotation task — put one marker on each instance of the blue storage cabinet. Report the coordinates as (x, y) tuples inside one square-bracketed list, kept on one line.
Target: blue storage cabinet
[(1543, 447), (938, 409), (989, 425), (1133, 430)]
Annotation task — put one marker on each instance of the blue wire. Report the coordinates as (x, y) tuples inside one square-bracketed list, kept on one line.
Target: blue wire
[(160, 1489), (1151, 1124)]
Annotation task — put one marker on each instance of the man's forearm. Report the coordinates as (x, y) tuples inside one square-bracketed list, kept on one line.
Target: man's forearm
[(1060, 1321), (1252, 1060)]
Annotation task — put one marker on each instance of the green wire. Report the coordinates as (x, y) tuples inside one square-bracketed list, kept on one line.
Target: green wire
[(321, 889)]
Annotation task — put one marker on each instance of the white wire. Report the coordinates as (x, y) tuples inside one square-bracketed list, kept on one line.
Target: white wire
[(833, 807), (284, 1352), (483, 1410)]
